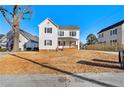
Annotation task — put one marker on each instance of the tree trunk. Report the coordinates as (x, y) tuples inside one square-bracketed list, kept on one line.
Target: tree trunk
[(16, 40)]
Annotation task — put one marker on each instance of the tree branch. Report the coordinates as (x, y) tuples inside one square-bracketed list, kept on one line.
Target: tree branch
[(15, 9), (4, 14), (1, 8)]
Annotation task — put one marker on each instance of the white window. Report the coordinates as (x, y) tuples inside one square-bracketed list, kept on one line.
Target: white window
[(113, 32), (61, 33), (48, 42), (48, 30), (101, 35), (72, 33)]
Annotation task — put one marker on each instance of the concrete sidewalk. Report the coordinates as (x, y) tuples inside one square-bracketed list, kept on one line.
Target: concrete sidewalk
[(74, 80)]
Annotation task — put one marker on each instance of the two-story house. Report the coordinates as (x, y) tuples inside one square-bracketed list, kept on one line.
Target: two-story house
[(52, 36), (112, 34)]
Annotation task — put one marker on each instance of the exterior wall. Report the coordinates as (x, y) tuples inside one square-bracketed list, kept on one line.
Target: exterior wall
[(122, 34), (107, 37), (3, 42), (31, 44), (54, 36), (48, 36), (67, 33), (22, 42), (75, 38)]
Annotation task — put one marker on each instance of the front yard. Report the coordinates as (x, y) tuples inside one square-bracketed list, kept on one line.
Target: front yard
[(51, 62)]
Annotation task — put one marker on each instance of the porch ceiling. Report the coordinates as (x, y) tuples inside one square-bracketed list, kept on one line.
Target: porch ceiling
[(67, 38)]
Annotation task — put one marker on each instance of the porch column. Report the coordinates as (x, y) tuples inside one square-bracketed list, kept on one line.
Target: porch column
[(78, 44)]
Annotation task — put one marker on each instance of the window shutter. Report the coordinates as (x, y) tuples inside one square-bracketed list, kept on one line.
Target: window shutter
[(45, 29), (50, 42), (63, 43), (45, 42), (51, 30), (70, 33)]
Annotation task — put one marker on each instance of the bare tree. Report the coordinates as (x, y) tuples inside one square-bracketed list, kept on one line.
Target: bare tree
[(14, 16)]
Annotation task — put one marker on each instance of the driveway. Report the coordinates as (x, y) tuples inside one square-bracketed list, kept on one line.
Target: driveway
[(3, 54), (109, 52), (64, 80)]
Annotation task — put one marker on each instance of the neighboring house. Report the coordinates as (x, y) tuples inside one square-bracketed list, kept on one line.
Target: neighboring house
[(52, 36), (112, 34), (26, 41), (1, 35), (3, 41)]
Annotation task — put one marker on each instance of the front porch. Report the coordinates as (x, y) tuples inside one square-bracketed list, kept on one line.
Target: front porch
[(68, 43)]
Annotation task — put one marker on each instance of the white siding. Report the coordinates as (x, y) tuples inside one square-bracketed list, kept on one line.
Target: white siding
[(22, 40), (3, 42), (107, 37), (67, 33), (122, 34), (54, 35), (48, 36)]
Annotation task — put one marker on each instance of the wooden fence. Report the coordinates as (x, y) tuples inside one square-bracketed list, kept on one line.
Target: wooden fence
[(107, 47)]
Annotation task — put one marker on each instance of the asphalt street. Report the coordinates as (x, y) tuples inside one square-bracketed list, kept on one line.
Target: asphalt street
[(64, 80)]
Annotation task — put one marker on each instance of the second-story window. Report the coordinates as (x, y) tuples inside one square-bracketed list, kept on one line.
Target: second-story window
[(72, 33), (101, 35), (113, 32), (48, 30), (61, 33)]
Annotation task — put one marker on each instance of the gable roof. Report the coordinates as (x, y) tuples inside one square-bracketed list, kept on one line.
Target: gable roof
[(27, 35), (1, 35), (112, 26), (50, 21), (69, 27)]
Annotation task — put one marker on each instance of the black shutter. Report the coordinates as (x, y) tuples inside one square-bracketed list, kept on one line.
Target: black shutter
[(59, 43), (51, 30), (45, 29), (70, 33), (45, 42), (63, 43), (51, 42)]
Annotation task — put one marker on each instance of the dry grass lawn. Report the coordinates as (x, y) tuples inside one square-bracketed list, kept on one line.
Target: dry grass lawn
[(51, 62)]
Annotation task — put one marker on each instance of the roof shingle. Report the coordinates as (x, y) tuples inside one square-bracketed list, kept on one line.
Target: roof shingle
[(70, 27), (112, 26)]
